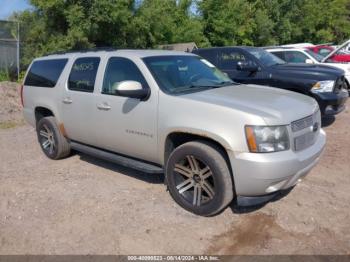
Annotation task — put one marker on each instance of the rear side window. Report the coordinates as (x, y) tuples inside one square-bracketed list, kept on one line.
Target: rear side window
[(45, 73), (83, 75)]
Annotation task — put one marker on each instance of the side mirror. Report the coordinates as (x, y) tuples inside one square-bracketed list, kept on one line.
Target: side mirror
[(132, 89), (309, 61), (247, 67)]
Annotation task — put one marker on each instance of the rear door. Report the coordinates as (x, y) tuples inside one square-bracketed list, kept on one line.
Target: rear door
[(78, 100)]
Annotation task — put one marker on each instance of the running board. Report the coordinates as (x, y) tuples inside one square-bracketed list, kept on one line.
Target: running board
[(118, 159)]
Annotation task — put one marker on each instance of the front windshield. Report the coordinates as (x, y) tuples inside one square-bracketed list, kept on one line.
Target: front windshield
[(318, 57), (179, 74), (265, 58)]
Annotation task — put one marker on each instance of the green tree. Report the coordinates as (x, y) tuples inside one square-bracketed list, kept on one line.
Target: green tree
[(164, 22), (57, 25), (325, 21), (227, 22)]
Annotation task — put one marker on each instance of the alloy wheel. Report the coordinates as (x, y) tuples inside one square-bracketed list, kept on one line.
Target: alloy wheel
[(47, 139), (194, 180)]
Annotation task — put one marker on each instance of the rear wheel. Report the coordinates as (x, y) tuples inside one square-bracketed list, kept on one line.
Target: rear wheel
[(199, 179), (52, 142)]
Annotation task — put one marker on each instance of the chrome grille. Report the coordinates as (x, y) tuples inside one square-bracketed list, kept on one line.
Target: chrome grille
[(305, 131), (302, 123), (339, 84), (304, 141)]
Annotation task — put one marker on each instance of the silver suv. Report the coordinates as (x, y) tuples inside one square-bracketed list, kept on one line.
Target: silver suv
[(174, 113)]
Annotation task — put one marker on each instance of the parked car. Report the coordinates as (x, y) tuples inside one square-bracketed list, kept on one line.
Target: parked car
[(300, 55), (340, 54), (252, 65), (174, 112), (322, 50)]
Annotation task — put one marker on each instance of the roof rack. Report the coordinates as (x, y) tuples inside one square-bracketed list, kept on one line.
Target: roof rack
[(94, 49)]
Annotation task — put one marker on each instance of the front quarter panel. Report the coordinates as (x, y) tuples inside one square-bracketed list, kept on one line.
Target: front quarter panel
[(221, 124)]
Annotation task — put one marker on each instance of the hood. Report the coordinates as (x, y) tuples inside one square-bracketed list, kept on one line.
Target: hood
[(275, 106), (309, 71)]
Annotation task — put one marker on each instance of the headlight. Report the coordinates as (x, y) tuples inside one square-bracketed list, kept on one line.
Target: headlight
[(323, 86), (265, 139)]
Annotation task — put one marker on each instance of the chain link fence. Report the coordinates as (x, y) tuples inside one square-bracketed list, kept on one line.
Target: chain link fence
[(9, 48)]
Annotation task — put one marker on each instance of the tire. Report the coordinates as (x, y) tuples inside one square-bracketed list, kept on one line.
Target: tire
[(52, 142), (193, 166)]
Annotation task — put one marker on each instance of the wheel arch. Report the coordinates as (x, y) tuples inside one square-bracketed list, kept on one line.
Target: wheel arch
[(177, 138), (42, 111)]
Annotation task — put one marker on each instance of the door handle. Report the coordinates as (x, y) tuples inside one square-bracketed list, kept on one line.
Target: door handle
[(67, 100), (104, 106)]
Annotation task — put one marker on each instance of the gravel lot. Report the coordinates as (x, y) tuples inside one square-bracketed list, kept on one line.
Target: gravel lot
[(81, 205)]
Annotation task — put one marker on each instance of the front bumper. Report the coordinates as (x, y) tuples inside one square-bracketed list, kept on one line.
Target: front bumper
[(259, 174), (332, 103)]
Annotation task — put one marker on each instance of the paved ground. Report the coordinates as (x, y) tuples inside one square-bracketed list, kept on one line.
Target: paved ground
[(81, 205)]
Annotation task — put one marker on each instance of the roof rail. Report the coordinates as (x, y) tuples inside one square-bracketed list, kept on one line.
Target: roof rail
[(94, 49)]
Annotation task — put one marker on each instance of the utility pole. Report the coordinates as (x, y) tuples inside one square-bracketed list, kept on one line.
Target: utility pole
[(18, 54)]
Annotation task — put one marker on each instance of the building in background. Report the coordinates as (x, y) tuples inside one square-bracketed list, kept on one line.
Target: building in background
[(185, 47)]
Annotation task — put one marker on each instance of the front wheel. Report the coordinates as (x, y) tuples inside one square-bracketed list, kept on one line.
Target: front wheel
[(199, 179)]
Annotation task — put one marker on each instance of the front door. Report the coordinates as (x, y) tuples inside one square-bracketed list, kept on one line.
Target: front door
[(228, 60), (126, 125)]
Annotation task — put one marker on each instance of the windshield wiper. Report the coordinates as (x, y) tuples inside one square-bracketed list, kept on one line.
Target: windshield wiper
[(200, 86), (227, 83), (205, 87), (216, 85)]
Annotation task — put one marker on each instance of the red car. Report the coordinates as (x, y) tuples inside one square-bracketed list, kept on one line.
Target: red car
[(325, 50)]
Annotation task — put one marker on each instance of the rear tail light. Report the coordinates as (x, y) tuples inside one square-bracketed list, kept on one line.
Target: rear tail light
[(22, 96)]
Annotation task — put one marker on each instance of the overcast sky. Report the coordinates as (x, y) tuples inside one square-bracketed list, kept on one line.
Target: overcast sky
[(7, 7)]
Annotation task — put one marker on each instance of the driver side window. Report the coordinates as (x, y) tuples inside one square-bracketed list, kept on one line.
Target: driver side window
[(228, 60), (120, 69)]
